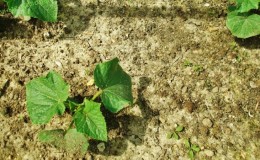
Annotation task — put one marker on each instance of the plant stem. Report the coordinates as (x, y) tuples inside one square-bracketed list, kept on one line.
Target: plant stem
[(96, 95), (70, 126)]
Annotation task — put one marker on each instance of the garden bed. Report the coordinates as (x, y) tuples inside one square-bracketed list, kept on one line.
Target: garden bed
[(185, 65)]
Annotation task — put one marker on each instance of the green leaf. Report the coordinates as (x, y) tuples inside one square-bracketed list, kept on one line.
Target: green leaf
[(54, 137), (179, 128), (76, 142), (243, 25), (191, 154), (187, 143), (247, 5), (195, 148), (89, 120), (71, 141), (45, 97), (116, 85), (176, 136), (45, 10), (169, 135)]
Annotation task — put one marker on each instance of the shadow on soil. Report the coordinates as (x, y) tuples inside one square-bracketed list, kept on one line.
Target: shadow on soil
[(76, 17), (10, 28), (126, 128), (249, 43)]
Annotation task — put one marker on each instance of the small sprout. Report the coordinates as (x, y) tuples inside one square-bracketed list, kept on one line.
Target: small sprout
[(233, 45), (238, 58), (241, 56), (179, 128), (192, 148), (195, 148), (191, 154), (169, 135), (175, 134), (198, 68), (187, 143), (187, 63)]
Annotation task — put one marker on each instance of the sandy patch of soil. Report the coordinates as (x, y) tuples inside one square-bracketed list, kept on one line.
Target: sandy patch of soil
[(186, 69)]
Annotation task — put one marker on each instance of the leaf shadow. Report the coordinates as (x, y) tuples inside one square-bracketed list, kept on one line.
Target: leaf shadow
[(10, 27), (76, 16), (126, 128), (249, 43)]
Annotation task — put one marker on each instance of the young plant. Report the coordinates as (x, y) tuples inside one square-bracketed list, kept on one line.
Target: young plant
[(187, 63), (193, 149), (243, 20), (45, 10), (49, 96), (196, 67), (175, 134)]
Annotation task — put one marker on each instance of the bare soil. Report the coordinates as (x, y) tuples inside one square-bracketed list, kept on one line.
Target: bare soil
[(185, 65)]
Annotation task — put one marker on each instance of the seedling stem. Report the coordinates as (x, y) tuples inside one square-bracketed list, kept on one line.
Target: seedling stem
[(96, 95)]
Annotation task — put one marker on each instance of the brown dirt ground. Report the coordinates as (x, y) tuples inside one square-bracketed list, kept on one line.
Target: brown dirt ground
[(185, 65)]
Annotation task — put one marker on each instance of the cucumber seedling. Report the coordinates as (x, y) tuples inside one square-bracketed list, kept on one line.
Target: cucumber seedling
[(243, 19), (45, 10), (49, 96)]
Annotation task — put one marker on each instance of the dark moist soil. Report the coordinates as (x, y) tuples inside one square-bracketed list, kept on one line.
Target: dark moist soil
[(185, 65)]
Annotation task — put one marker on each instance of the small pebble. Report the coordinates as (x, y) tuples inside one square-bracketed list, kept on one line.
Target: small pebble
[(253, 84), (215, 90), (206, 4), (90, 82), (101, 147), (204, 130), (58, 63), (209, 153), (189, 106), (162, 120), (46, 35), (207, 122)]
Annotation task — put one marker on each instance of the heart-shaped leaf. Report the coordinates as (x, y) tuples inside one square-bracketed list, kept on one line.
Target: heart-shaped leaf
[(45, 97), (45, 10), (191, 154), (89, 120), (247, 5), (71, 141), (116, 85), (195, 148), (76, 142), (243, 25), (54, 137), (179, 128)]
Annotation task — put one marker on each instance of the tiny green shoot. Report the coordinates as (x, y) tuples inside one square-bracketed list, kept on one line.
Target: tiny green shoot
[(175, 134), (192, 149), (187, 63), (197, 68)]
